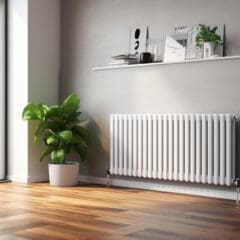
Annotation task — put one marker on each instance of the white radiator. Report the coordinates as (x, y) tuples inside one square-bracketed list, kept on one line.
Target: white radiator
[(182, 147)]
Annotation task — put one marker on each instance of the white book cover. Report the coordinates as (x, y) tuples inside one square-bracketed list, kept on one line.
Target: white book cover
[(174, 51)]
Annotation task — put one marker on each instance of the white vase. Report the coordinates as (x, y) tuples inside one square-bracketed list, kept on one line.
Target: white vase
[(63, 175), (208, 49)]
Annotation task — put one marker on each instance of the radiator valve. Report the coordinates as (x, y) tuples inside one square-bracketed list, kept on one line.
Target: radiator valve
[(108, 177)]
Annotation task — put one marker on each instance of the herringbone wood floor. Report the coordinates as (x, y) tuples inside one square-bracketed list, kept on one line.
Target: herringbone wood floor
[(90, 212)]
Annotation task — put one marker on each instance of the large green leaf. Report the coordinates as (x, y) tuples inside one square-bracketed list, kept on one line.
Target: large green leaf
[(53, 133), (65, 135), (45, 137), (83, 133), (46, 152), (40, 129), (56, 123), (45, 108), (51, 140), (57, 156), (74, 116), (75, 123), (54, 111), (71, 104), (32, 112)]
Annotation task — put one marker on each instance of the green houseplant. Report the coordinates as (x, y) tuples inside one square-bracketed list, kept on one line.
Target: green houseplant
[(208, 38), (61, 130)]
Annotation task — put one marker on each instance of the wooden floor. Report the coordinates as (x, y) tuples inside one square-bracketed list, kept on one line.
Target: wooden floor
[(90, 212)]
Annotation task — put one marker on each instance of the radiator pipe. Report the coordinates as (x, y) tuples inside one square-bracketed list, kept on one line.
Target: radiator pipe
[(108, 177)]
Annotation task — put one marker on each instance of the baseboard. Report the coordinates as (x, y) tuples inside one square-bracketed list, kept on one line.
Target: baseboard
[(18, 178), (37, 179), (163, 186), (90, 179), (166, 186)]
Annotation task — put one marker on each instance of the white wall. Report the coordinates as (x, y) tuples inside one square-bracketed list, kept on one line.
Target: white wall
[(33, 77), (17, 89)]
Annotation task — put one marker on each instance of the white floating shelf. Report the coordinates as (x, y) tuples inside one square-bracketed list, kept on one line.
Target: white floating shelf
[(165, 63)]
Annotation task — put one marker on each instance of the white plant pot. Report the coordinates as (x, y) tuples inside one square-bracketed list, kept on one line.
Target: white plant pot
[(63, 175), (208, 49)]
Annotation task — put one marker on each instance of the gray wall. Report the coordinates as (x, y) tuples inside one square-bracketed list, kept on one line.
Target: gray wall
[(44, 64), (94, 30)]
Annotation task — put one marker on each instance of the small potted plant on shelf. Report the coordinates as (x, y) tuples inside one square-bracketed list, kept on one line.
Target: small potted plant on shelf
[(61, 130), (208, 39)]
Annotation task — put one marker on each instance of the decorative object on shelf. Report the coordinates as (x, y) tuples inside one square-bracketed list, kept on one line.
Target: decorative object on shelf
[(208, 49), (61, 130), (156, 53), (123, 59), (140, 44), (137, 40), (175, 47), (208, 39), (147, 40), (146, 57), (156, 47), (194, 52)]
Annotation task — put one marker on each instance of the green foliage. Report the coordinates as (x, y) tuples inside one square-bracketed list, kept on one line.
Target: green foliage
[(60, 128), (207, 34)]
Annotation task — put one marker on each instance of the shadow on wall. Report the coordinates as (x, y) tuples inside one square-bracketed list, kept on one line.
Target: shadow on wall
[(97, 161)]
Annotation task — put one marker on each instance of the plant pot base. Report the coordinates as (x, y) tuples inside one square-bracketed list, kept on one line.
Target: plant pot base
[(63, 175)]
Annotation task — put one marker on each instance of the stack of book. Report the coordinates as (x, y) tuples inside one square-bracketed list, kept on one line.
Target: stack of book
[(124, 59)]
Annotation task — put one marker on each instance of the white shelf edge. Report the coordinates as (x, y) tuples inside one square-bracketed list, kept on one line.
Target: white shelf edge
[(166, 63)]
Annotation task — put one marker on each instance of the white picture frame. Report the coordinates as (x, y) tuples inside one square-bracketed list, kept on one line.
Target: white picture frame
[(193, 52)]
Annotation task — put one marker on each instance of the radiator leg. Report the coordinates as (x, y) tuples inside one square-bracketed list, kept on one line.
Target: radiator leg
[(108, 178), (237, 183), (237, 195)]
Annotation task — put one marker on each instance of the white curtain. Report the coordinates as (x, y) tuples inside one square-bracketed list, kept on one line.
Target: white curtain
[(2, 89)]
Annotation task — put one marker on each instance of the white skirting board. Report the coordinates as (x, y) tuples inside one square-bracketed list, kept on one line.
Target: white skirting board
[(27, 179), (166, 186), (19, 178)]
